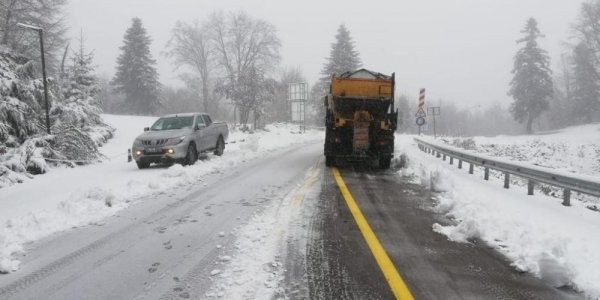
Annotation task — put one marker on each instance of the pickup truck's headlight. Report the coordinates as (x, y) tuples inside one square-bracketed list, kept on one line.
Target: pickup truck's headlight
[(175, 141)]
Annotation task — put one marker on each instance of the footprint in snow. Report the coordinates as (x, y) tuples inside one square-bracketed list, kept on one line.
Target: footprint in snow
[(168, 245), (154, 267)]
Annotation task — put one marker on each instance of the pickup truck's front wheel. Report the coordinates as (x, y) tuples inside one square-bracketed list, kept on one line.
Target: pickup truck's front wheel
[(191, 155), (220, 148)]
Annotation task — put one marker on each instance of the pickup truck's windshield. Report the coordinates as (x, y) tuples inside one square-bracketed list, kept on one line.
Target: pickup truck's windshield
[(172, 123)]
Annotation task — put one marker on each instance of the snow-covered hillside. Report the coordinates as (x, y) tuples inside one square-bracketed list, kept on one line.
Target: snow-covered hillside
[(536, 233), (573, 149), (70, 197)]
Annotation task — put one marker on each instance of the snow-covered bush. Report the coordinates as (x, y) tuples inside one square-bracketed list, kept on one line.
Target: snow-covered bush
[(76, 126)]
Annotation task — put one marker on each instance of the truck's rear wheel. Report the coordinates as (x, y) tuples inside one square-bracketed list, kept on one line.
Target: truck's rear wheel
[(385, 162), (329, 160), (220, 148)]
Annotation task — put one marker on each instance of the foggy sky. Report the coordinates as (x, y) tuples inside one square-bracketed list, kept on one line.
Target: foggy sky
[(460, 50)]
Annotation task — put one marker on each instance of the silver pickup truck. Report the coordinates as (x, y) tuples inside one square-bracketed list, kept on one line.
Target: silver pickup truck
[(179, 138)]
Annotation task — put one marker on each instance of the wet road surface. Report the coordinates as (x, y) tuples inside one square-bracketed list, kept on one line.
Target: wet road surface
[(340, 265), (166, 246)]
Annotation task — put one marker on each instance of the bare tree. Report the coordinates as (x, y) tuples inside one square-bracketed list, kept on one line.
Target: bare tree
[(587, 29), (245, 47), (47, 14), (191, 47)]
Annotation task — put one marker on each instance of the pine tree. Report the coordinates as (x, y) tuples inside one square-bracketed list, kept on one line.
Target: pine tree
[(531, 86), (81, 82), (136, 75), (342, 57), (586, 88)]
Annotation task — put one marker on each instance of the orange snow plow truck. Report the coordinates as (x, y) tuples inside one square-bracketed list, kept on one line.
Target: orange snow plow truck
[(360, 120)]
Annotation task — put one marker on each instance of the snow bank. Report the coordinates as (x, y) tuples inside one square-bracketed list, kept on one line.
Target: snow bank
[(536, 233), (573, 149), (64, 197), (255, 269)]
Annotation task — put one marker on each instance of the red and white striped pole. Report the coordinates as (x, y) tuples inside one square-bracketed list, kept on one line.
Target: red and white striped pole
[(420, 112)]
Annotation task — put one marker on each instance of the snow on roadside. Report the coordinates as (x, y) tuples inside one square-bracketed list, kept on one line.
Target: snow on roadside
[(255, 270), (64, 198), (572, 149), (536, 233)]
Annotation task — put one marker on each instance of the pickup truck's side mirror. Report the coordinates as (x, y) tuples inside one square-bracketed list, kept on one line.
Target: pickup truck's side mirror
[(146, 128), (199, 126)]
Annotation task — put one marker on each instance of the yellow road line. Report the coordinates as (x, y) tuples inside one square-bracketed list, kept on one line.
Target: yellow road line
[(390, 273), (310, 181)]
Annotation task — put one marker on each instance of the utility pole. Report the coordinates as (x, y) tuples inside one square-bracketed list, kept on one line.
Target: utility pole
[(45, 81), (433, 111)]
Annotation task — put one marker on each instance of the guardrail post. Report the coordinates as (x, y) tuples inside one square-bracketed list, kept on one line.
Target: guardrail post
[(566, 197), (570, 184), (530, 185)]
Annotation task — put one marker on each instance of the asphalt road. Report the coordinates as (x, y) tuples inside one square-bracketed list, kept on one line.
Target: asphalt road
[(340, 265), (165, 246)]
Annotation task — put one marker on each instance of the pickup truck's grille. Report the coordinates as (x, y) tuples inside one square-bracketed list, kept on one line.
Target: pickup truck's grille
[(151, 142)]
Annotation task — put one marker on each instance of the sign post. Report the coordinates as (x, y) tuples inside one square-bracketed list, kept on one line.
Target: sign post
[(420, 112), (297, 96), (433, 111)]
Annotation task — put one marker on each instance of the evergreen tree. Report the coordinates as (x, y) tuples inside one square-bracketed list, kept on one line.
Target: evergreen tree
[(342, 57), (81, 82), (586, 88), (136, 75), (531, 86)]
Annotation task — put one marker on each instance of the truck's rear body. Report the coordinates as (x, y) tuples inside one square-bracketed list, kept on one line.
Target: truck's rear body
[(360, 119)]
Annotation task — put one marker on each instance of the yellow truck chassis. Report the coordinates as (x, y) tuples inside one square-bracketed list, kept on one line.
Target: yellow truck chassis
[(360, 119)]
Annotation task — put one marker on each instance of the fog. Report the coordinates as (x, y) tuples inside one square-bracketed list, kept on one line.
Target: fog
[(461, 51)]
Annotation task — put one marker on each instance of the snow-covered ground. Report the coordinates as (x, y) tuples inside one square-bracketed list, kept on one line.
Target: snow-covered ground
[(536, 233), (65, 198), (573, 149)]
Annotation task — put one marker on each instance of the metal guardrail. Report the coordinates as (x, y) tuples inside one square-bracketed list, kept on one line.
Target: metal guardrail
[(568, 182)]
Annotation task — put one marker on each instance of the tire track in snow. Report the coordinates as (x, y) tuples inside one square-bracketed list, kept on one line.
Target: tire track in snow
[(37, 275)]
